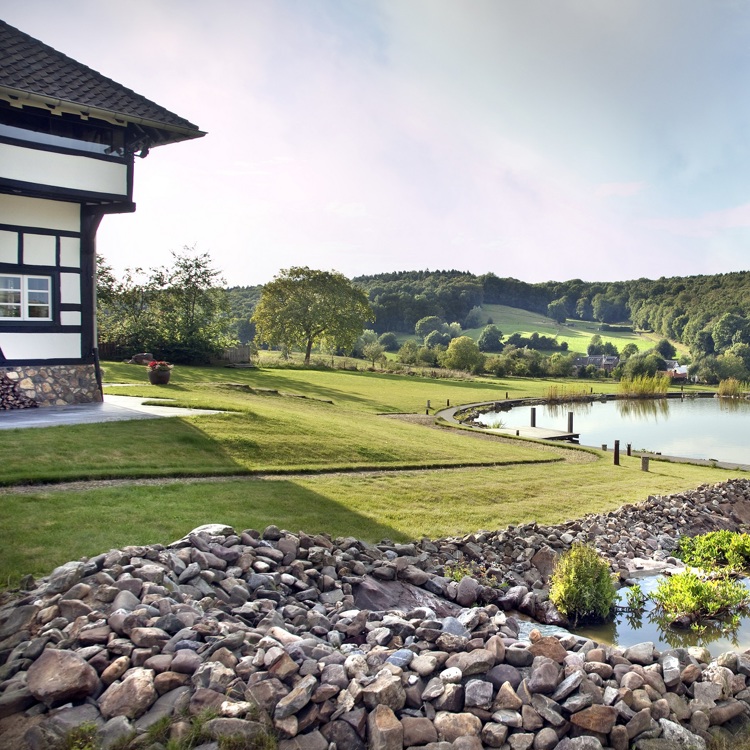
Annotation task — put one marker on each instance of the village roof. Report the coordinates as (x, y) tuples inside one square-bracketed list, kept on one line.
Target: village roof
[(34, 74)]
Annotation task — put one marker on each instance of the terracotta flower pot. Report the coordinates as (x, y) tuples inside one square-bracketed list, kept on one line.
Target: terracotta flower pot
[(159, 377)]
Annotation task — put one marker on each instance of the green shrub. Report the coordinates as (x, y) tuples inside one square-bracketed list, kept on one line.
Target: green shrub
[(581, 585), (635, 598), (690, 596), (716, 549)]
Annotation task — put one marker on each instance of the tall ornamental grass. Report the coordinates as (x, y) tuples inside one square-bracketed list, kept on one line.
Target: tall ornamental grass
[(645, 386), (733, 388)]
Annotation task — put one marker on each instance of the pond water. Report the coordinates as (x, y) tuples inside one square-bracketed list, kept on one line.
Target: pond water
[(710, 428), (627, 629)]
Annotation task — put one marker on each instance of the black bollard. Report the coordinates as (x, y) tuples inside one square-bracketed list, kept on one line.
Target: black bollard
[(617, 453), (533, 416)]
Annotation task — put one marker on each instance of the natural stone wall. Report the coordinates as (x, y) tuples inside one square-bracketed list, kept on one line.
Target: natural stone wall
[(55, 385), (337, 644)]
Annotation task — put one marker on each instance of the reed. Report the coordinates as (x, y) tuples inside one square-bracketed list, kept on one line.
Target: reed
[(733, 388), (560, 394), (645, 386)]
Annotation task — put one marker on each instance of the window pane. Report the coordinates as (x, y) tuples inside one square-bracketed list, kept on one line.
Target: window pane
[(38, 284), (10, 282), (10, 311), (39, 311), (38, 298), (11, 297)]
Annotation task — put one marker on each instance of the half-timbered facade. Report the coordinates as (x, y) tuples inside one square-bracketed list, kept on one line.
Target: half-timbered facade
[(68, 138)]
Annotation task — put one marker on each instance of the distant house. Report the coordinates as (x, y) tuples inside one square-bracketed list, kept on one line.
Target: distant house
[(605, 362), (676, 371), (68, 137)]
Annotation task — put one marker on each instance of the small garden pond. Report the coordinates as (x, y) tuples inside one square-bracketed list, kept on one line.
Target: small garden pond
[(708, 428), (628, 629)]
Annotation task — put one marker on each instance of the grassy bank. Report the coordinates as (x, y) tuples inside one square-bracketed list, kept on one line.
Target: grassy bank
[(307, 424), (399, 506)]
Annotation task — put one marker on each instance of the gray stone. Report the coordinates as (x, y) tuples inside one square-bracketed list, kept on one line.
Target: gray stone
[(58, 676)]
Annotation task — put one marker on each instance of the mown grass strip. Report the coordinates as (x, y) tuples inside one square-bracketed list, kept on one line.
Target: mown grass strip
[(394, 505)]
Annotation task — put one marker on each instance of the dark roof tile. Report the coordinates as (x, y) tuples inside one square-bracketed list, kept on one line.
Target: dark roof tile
[(33, 67)]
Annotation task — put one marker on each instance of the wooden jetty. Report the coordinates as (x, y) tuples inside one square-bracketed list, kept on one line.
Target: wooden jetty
[(538, 433)]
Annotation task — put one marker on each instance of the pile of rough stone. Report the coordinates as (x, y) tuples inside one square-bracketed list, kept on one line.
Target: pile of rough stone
[(348, 645), (11, 397)]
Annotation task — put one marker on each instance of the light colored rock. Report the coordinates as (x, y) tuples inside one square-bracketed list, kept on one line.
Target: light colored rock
[(58, 676)]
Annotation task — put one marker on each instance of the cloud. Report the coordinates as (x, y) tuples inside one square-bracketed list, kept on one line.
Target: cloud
[(706, 226), (619, 189)]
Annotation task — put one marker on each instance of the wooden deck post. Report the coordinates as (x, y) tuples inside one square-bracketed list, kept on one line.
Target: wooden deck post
[(617, 453), (533, 416), (570, 422)]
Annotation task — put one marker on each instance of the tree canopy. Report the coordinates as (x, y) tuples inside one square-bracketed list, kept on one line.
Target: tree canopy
[(302, 307), (179, 312)]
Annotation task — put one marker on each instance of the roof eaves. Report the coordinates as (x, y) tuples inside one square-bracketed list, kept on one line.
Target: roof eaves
[(19, 98)]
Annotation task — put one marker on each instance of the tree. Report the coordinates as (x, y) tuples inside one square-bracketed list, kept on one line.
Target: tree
[(557, 310), (473, 318), (374, 352), (179, 312), (436, 338), (193, 308), (463, 354), (408, 352), (388, 341), (666, 349), (596, 346), (427, 325), (628, 350), (490, 340), (302, 307)]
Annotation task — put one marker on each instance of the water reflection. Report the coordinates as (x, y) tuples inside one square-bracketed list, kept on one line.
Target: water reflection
[(704, 428), (561, 410), (630, 627), (634, 408)]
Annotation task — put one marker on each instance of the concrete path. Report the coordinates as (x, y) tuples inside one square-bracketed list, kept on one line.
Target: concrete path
[(113, 409)]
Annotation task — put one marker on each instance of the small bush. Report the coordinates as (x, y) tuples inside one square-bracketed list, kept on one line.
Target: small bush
[(716, 549), (581, 585), (691, 597)]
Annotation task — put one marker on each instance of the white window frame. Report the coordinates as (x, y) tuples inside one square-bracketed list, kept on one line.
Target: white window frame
[(26, 305)]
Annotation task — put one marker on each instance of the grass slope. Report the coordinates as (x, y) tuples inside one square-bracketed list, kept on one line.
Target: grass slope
[(577, 333), (268, 431), (402, 506)]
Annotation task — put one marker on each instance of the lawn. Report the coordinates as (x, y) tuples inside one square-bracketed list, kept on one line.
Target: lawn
[(268, 428), (324, 458), (372, 506)]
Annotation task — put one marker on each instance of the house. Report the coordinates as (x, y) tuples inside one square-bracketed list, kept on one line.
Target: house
[(605, 362), (68, 138)]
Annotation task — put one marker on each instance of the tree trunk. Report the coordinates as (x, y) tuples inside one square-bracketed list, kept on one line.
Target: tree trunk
[(308, 350)]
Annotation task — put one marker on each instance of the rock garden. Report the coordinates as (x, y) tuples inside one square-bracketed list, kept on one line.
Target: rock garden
[(258, 639)]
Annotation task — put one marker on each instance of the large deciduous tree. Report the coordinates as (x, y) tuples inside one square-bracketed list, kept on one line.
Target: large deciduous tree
[(302, 307)]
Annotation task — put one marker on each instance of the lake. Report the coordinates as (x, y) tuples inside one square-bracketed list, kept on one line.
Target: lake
[(709, 428)]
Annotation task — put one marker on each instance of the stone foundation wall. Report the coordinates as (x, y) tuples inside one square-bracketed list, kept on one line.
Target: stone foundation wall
[(55, 385)]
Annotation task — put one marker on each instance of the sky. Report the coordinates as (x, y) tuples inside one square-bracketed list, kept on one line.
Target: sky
[(537, 139)]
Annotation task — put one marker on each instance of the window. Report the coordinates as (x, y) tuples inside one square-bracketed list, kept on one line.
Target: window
[(25, 297)]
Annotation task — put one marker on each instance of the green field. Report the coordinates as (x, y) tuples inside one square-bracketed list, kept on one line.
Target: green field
[(577, 333), (317, 453)]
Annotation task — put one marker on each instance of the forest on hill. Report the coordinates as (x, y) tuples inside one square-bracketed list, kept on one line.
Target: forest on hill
[(706, 313), (709, 314)]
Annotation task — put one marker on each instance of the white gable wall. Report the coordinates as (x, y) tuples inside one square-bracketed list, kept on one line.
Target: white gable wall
[(70, 171)]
